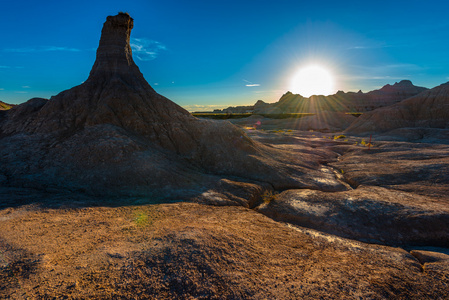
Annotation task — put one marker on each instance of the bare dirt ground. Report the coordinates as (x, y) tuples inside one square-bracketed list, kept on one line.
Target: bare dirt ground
[(71, 246)]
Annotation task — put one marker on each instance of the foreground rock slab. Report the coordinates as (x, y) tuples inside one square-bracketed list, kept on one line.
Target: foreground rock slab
[(186, 251), (371, 214), (420, 168)]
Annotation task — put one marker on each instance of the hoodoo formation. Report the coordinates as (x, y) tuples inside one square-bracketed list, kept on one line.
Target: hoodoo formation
[(114, 134)]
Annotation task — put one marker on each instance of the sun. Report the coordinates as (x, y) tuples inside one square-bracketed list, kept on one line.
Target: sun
[(312, 80)]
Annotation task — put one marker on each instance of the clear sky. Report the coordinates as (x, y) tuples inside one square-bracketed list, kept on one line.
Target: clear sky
[(212, 54)]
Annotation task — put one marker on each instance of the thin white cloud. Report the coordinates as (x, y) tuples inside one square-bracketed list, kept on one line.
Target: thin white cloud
[(145, 49), (41, 49), (2, 89), (21, 92), (249, 83), (372, 47), (390, 67), (357, 47), (5, 67), (377, 45), (363, 77), (26, 87), (397, 71)]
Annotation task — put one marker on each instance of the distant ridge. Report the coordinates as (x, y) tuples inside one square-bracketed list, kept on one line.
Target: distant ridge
[(340, 102), (429, 109)]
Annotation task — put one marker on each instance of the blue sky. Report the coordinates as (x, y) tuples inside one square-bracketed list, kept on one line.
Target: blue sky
[(212, 54)]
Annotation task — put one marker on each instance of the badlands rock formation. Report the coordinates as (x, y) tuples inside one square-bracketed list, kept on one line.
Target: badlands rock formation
[(125, 145), (429, 109), (114, 134)]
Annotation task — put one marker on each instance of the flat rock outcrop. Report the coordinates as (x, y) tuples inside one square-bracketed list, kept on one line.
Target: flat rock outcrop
[(429, 109), (114, 134)]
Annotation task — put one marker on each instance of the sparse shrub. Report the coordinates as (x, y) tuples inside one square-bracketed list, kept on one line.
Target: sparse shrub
[(268, 196), (365, 144), (141, 219), (339, 137)]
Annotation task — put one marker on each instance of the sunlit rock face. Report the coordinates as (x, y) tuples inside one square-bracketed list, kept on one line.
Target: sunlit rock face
[(429, 109), (115, 134)]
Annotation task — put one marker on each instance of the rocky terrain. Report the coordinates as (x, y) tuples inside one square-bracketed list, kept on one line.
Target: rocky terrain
[(112, 191), (339, 102), (386, 236)]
